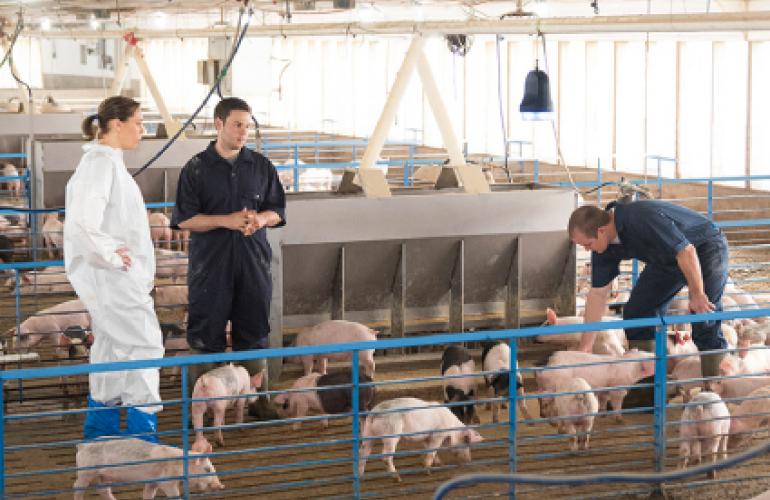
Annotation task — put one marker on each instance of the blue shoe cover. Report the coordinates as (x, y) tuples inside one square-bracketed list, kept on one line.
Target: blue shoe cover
[(142, 423), (101, 420)]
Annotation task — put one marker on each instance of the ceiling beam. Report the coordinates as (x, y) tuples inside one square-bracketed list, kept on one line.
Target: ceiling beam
[(660, 23)]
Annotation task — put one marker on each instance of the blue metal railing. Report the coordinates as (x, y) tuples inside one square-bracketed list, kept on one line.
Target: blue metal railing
[(355, 348)]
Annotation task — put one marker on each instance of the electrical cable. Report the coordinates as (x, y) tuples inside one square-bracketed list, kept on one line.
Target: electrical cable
[(205, 100), (13, 38), (559, 157), (257, 134), (500, 106)]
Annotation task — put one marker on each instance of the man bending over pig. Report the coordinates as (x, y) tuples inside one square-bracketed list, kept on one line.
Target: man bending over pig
[(679, 247)]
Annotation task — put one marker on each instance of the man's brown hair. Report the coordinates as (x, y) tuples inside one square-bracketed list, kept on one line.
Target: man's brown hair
[(587, 219)]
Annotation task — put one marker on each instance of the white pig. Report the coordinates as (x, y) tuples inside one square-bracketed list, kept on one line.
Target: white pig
[(99, 463), (637, 365), (577, 412), (12, 186), (335, 332), (750, 415), (170, 264), (229, 382), (160, 230), (43, 281), (415, 420), (607, 341), (755, 362), (52, 233), (47, 327), (705, 426)]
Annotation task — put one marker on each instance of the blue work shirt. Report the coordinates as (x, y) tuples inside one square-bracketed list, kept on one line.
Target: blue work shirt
[(211, 185), (652, 231)]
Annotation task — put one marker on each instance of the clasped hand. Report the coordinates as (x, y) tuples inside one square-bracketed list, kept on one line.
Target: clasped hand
[(246, 221)]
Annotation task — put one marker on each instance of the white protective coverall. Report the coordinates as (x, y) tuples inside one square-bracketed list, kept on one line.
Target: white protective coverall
[(105, 211)]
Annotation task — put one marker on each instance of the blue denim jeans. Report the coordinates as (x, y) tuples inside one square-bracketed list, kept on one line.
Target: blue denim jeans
[(657, 286)]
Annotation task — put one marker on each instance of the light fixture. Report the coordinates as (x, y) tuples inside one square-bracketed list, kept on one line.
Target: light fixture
[(536, 103), (159, 20), (45, 24), (94, 23)]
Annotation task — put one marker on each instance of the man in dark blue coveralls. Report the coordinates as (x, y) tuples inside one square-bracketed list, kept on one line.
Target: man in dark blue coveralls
[(679, 247), (227, 196)]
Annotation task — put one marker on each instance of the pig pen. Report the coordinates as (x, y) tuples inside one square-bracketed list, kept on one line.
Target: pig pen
[(325, 472), (290, 464)]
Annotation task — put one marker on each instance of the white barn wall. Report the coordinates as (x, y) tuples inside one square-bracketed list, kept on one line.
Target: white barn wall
[(341, 83)]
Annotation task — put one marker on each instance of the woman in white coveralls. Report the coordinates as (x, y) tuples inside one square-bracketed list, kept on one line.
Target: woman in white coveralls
[(110, 261)]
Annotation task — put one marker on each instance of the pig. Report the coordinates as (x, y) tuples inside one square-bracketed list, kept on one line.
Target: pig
[(607, 341), (457, 360), (12, 186), (335, 332), (637, 365), (170, 296), (415, 420), (576, 412), (496, 358), (182, 239), (686, 369), (7, 249), (99, 463), (286, 174), (47, 327), (309, 395), (755, 362), (160, 230), (704, 425), (750, 415), (229, 382), (751, 336), (44, 281), (170, 264), (53, 233), (731, 388), (679, 346)]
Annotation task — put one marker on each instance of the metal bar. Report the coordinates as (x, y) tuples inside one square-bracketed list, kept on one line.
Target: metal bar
[(338, 288), (185, 432), (659, 406), (513, 295), (355, 367), (296, 168), (710, 200), (512, 400), (457, 291)]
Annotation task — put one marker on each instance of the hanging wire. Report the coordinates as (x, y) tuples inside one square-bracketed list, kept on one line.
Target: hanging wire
[(500, 107), (13, 38), (559, 157), (205, 100)]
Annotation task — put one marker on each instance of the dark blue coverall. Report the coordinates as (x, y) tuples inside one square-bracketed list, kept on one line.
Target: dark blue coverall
[(228, 273), (655, 232)]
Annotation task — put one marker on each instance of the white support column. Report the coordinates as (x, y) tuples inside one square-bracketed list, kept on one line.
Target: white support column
[(172, 126), (471, 176), (120, 70), (374, 183)]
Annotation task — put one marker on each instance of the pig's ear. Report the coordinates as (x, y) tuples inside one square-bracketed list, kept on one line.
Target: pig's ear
[(26, 279), (256, 380), (550, 315)]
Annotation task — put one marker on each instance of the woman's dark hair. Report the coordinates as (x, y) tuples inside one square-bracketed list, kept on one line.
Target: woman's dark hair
[(113, 107)]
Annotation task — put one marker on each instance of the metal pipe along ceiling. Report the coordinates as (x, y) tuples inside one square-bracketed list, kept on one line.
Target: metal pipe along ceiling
[(712, 22)]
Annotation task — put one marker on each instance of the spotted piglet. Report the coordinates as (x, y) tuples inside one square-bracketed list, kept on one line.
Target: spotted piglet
[(455, 361), (496, 358), (308, 397)]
